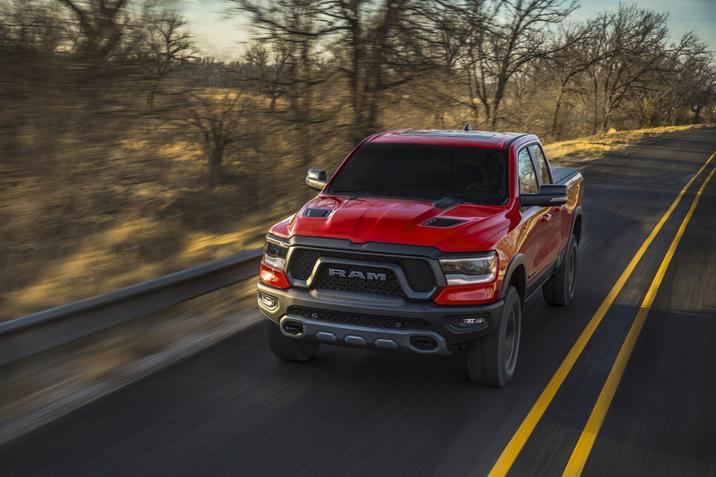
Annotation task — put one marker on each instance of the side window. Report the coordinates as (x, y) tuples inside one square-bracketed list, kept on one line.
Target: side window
[(528, 179), (540, 163)]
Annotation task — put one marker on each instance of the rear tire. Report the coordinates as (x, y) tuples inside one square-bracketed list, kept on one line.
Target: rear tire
[(559, 289), (289, 349), (491, 361)]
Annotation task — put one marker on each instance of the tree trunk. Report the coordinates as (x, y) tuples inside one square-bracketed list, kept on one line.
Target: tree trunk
[(606, 116), (305, 110), (494, 113), (497, 101), (355, 76), (555, 115), (474, 107), (493, 118), (697, 114), (373, 87), (216, 159), (595, 105)]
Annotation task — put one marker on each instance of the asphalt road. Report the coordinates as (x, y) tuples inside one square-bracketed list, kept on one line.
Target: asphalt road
[(233, 409)]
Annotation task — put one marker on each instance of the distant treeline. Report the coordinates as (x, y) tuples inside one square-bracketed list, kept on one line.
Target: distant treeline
[(349, 68)]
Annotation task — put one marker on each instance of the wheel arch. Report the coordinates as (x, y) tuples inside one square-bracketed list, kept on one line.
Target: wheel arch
[(516, 275), (576, 229)]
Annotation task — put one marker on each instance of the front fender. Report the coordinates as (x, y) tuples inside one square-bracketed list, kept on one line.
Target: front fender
[(516, 261)]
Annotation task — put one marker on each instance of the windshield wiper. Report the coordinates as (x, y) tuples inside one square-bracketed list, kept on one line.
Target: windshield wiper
[(352, 193), (445, 203), (441, 202)]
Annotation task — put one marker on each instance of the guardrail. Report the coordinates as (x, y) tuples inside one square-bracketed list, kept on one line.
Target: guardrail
[(32, 334)]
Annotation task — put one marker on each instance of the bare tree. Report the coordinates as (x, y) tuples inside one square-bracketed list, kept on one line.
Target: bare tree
[(382, 47), (32, 24), (570, 64), (691, 76), (164, 43), (101, 26), (698, 85), (294, 28), (635, 41), (219, 118), (450, 29), (268, 68), (505, 37)]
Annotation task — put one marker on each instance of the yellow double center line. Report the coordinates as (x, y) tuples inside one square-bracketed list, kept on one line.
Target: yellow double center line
[(518, 440), (591, 429)]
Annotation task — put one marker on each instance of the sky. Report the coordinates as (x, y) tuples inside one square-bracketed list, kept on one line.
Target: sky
[(221, 34)]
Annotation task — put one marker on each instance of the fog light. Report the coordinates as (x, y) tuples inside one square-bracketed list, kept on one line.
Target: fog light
[(267, 301), (469, 322)]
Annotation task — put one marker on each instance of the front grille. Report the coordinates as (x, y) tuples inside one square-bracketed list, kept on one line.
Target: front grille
[(417, 271), (389, 286), (359, 320), (301, 262)]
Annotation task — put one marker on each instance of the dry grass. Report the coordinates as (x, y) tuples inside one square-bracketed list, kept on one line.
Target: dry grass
[(593, 147), (101, 265), (148, 213)]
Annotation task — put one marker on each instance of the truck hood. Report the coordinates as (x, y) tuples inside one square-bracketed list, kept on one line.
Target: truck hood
[(396, 220)]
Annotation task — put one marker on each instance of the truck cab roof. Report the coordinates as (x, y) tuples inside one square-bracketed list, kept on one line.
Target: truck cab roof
[(480, 139)]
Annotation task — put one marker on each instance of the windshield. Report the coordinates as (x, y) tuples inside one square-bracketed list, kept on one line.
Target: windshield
[(426, 171)]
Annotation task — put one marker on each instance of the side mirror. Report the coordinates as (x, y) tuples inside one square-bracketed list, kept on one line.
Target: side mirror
[(548, 195), (316, 179)]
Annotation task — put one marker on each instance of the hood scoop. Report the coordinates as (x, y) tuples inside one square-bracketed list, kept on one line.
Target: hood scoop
[(320, 213), (443, 222)]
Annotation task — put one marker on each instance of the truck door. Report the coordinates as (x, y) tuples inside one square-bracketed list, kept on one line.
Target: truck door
[(536, 227), (552, 217)]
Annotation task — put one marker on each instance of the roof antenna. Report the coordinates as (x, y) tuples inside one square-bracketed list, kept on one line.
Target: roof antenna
[(467, 127)]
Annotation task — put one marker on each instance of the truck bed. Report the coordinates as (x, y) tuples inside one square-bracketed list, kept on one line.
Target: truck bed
[(563, 174)]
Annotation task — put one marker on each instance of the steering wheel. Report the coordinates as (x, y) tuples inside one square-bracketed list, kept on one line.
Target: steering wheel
[(480, 189)]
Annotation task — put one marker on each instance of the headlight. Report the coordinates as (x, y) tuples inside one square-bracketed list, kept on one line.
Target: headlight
[(466, 271), (275, 255)]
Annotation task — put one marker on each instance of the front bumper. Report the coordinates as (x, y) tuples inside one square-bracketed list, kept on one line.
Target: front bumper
[(372, 321), (417, 341)]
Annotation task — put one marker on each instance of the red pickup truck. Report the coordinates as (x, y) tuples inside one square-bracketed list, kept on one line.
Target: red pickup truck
[(428, 242)]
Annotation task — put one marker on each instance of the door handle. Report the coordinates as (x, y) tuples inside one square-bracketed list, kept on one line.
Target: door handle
[(546, 218)]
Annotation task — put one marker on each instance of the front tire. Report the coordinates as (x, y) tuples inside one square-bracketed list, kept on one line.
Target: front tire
[(289, 349), (491, 361), (559, 289)]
